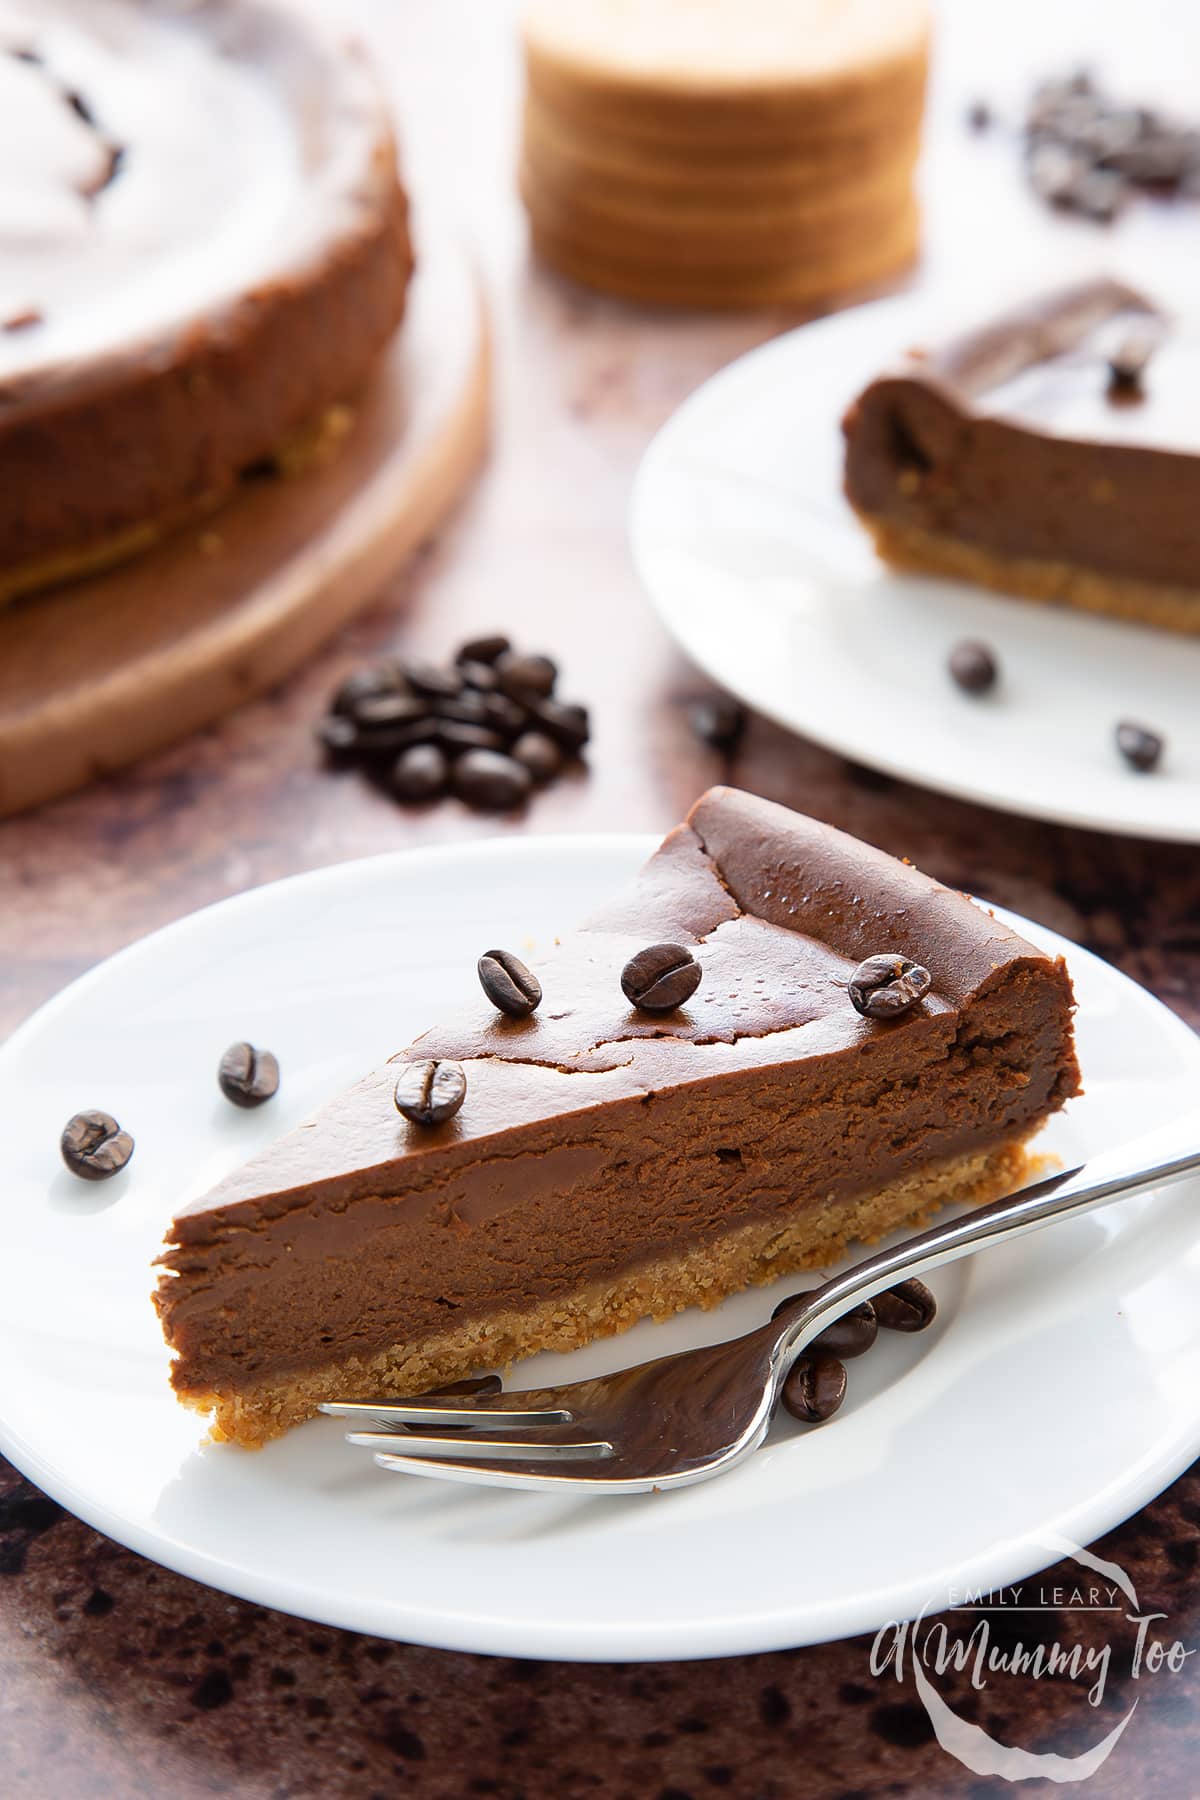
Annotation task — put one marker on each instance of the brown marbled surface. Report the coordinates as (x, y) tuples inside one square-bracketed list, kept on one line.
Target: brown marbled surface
[(120, 1679)]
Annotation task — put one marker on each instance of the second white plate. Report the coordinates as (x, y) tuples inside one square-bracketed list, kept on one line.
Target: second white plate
[(1057, 1392), (760, 571)]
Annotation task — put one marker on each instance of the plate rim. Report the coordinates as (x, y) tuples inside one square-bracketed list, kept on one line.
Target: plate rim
[(671, 616), (456, 1628)]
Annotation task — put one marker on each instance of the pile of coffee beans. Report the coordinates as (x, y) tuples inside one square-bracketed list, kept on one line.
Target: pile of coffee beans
[(1086, 152), (816, 1383), (486, 727)]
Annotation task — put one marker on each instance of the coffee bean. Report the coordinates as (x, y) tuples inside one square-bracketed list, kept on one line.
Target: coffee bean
[(909, 1306), (367, 684), (94, 1146), (429, 1093), (567, 725), (979, 115), (433, 682), (973, 666), (885, 986), (814, 1388), (504, 714), (467, 708), (383, 712), (1141, 747), (718, 720), (525, 677), (248, 1076), (379, 748), (539, 754), (660, 978), (491, 781), (483, 649), (851, 1335), (455, 736), (479, 675), (509, 985), (1127, 364), (338, 738), (419, 774)]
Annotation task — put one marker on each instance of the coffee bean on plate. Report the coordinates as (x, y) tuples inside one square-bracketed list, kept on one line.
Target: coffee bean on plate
[(660, 978), (94, 1146), (484, 649), (248, 1076), (885, 986), (718, 720), (490, 780), (1127, 364), (429, 1093), (909, 1306), (419, 773), (1141, 747), (814, 1388), (851, 1335), (973, 666), (539, 754), (509, 985), (525, 676)]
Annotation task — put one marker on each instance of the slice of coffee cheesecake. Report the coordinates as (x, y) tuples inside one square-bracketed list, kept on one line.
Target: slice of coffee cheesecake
[(609, 1163), (1053, 453)]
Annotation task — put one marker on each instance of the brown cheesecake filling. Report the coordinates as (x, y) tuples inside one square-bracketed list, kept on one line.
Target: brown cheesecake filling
[(606, 1165), (1012, 458)]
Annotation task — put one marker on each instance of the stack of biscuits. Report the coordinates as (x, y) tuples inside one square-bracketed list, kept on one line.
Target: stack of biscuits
[(723, 152)]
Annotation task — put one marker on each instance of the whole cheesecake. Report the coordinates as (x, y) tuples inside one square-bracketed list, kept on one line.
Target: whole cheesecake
[(203, 250), (608, 1164)]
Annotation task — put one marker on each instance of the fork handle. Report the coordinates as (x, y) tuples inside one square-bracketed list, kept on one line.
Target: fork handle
[(1152, 1161)]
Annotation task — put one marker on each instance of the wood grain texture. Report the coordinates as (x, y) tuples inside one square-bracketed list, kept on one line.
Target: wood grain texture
[(119, 1679)]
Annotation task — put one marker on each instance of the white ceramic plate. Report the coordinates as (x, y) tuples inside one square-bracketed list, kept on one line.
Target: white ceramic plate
[(760, 571), (1058, 1391)]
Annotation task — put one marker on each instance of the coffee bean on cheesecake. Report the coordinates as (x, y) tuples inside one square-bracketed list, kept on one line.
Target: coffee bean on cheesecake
[(520, 676), (539, 754), (489, 780), (419, 774), (907, 1307), (248, 1076), (1141, 748), (814, 1388), (851, 1335), (486, 649), (94, 1146), (973, 666), (508, 984), (885, 986), (429, 1093), (660, 978)]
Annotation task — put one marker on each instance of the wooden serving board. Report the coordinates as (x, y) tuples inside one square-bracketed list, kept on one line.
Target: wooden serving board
[(95, 674)]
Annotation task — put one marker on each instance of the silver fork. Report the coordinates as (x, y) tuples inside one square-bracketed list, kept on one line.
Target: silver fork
[(688, 1417)]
